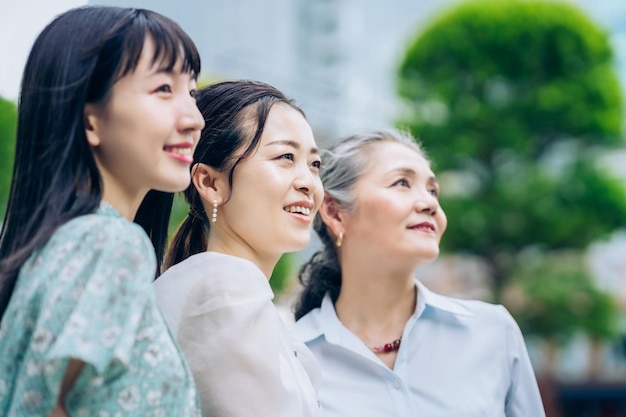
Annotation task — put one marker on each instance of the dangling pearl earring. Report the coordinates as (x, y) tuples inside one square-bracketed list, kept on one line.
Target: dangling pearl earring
[(214, 214), (339, 240)]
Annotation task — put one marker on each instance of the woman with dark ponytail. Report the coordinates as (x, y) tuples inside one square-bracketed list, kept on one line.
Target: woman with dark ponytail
[(386, 345), (107, 125), (255, 190)]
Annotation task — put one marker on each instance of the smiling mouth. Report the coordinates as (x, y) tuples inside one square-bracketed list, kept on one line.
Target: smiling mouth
[(428, 227), (186, 151), (298, 209), (182, 153)]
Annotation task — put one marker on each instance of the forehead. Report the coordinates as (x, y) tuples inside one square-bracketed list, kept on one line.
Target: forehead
[(386, 157), (284, 123)]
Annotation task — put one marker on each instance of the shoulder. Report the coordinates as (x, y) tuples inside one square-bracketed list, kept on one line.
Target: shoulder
[(102, 234), (215, 274), (98, 228), (218, 266), (92, 245), (478, 316)]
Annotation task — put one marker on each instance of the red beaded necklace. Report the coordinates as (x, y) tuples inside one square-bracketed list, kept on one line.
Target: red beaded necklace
[(387, 347)]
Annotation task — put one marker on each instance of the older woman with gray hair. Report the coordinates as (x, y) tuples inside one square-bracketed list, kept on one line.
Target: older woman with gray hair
[(388, 346)]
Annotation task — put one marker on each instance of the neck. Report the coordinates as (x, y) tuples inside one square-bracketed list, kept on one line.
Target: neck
[(375, 302), (127, 206), (265, 263), (125, 199)]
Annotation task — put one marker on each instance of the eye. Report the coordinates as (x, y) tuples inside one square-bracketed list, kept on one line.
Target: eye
[(317, 164), (288, 156), (434, 192), (193, 93), (402, 182), (165, 88)]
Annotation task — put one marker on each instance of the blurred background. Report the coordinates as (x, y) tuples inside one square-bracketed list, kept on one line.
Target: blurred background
[(521, 108)]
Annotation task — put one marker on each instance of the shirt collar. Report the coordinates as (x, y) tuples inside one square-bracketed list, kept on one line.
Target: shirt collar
[(324, 320), (427, 298), (106, 209)]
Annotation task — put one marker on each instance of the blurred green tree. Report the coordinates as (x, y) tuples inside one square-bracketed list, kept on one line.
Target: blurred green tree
[(553, 296), (8, 126), (514, 102)]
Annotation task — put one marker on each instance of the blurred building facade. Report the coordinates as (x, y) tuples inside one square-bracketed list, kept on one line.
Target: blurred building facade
[(337, 58)]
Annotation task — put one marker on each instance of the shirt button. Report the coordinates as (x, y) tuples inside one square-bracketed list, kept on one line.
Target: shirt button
[(397, 384), (295, 353)]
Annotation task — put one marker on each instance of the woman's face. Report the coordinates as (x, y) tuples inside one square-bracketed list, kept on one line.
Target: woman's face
[(277, 191), (144, 135), (397, 212)]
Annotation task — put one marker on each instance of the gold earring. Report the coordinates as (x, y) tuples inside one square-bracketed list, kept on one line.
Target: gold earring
[(214, 214), (339, 240)]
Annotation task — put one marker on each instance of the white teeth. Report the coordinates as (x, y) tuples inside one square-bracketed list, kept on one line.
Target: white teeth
[(298, 209), (182, 151)]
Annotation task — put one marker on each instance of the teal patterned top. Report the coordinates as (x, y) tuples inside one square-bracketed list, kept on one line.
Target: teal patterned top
[(87, 294)]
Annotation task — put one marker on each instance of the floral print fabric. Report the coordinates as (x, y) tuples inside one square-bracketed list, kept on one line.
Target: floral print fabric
[(87, 295)]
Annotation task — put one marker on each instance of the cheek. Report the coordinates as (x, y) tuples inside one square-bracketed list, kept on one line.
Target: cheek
[(391, 209), (318, 195), (380, 212), (443, 222), (121, 124)]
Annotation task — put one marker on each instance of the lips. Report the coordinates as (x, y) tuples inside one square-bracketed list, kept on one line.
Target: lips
[(181, 151), (425, 226)]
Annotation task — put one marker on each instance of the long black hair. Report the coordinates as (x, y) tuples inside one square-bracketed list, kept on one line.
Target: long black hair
[(235, 113), (74, 61), (344, 164)]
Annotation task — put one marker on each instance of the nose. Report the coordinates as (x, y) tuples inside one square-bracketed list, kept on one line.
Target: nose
[(190, 119), (426, 202), (305, 180)]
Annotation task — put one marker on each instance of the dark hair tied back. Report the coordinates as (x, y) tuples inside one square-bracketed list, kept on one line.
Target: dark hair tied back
[(235, 113)]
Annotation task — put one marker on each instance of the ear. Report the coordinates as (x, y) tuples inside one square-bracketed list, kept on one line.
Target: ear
[(332, 215), (209, 182), (91, 125)]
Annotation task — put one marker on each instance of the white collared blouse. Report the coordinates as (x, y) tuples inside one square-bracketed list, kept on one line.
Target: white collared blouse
[(242, 356), (458, 358)]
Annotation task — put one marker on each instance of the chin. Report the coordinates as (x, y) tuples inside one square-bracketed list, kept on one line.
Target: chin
[(427, 256), (297, 244), (175, 186)]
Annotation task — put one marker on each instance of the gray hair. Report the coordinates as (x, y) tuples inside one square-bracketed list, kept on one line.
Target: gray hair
[(342, 166)]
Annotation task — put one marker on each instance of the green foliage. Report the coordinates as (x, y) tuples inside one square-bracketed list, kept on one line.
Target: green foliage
[(180, 208), (513, 101), (282, 273), (8, 126), (555, 297), (510, 74)]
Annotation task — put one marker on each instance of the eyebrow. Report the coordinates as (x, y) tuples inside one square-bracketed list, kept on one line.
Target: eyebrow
[(164, 70), (291, 143), (411, 172)]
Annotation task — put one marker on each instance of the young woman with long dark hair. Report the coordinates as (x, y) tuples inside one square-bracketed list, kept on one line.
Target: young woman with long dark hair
[(255, 190), (107, 126)]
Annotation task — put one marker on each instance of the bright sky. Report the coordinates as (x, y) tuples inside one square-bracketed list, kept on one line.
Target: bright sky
[(20, 23)]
